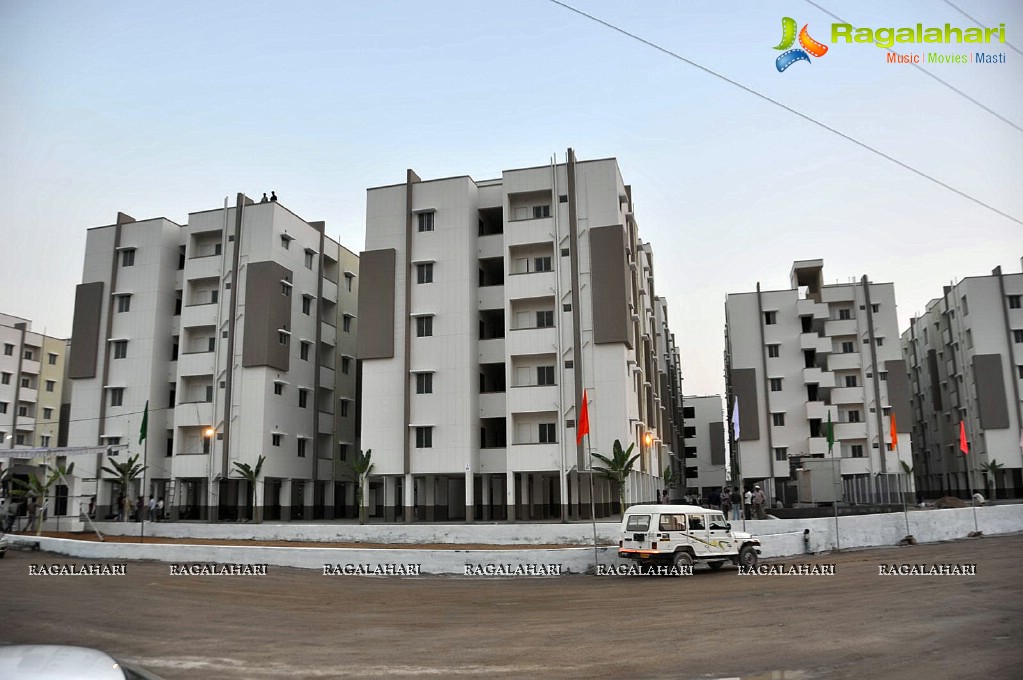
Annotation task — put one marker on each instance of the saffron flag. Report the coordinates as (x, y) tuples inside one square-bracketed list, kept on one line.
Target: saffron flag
[(963, 446), (895, 434), (583, 427), (145, 423), (830, 434), (735, 418)]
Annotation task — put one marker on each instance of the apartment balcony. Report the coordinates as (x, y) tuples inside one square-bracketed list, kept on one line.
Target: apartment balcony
[(531, 285), (837, 327), (533, 457), (817, 445), (845, 293), (329, 291), (847, 431), (493, 404), (328, 334), (30, 366), (847, 395), (946, 337), (531, 399), (492, 351), (523, 232), (193, 414), (490, 297), (199, 315), (493, 460), (812, 308), (815, 342), (818, 410), (531, 341), (327, 377), (205, 267), (844, 361), (325, 424), (196, 363), (27, 394), (815, 376), (491, 246)]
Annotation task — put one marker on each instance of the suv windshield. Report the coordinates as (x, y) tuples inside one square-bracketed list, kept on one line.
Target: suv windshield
[(638, 523)]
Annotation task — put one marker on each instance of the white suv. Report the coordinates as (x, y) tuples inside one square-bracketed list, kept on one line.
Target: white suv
[(681, 535)]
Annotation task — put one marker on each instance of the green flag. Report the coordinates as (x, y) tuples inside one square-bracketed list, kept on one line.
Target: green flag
[(145, 423), (831, 434)]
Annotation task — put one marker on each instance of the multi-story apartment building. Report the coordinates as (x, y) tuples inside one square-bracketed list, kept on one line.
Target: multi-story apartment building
[(965, 355), (238, 331), (705, 434), (487, 308), (796, 358), (31, 385)]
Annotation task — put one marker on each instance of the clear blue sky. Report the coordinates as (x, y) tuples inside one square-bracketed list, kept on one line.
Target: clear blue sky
[(163, 109)]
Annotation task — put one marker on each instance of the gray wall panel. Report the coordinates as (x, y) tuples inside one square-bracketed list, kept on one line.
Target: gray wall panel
[(268, 310), (746, 388), (85, 330), (610, 272), (717, 442), (376, 304), (990, 382), (899, 394)]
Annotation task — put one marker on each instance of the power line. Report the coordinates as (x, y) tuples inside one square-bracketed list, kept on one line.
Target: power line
[(1009, 44), (921, 69), (777, 103)]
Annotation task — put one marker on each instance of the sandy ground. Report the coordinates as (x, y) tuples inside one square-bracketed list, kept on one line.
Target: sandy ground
[(301, 624)]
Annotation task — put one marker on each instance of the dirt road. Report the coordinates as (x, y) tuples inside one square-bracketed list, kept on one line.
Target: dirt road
[(300, 623)]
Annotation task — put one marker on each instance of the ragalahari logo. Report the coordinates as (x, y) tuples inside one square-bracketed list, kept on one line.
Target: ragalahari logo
[(788, 36)]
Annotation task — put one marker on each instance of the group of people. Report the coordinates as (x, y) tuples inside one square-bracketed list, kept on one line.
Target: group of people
[(272, 199), (733, 503), (153, 510)]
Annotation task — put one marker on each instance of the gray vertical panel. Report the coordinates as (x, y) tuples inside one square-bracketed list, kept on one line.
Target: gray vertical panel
[(267, 311), (375, 338), (609, 277), (990, 383), (717, 443), (85, 330), (744, 386), (898, 393), (935, 380)]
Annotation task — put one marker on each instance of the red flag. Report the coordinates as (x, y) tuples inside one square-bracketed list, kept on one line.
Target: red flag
[(963, 446), (894, 433), (583, 426)]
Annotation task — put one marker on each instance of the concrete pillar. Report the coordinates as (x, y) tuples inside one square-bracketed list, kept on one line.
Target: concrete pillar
[(525, 499), (509, 494), (390, 498), (429, 497), (409, 497), (538, 498), (285, 500), (308, 499), (470, 496), (563, 482), (485, 499)]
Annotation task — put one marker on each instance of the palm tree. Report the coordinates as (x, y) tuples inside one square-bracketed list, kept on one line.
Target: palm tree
[(360, 469), (124, 473), (39, 487), (991, 469), (252, 477), (617, 468), (670, 478)]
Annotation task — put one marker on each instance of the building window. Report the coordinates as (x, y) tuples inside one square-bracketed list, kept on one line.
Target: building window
[(47, 413), (19, 439), (343, 451), (1017, 336), (301, 447), (567, 307), (1014, 301), (850, 381), (548, 433), (8, 349), (346, 365), (5, 378), (883, 375), (120, 349), (282, 337), (344, 408), (123, 303), (50, 384), (128, 258), (781, 453), (286, 288), (856, 450), (544, 375), (116, 396), (542, 264), (26, 382), (309, 258), (773, 350), (3, 408), (275, 439), (424, 437), (303, 398), (52, 359), (848, 348), (424, 383), (545, 319), (424, 326), (570, 364), (278, 388), (348, 281), (776, 384), (853, 416), (844, 314), (688, 412), (303, 351), (876, 307), (286, 241), (965, 307), (29, 355), (424, 273), (770, 318), (425, 221), (778, 419), (541, 211), (346, 323), (565, 252), (879, 341), (307, 304)]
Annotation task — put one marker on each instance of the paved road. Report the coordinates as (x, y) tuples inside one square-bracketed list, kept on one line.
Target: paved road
[(299, 623)]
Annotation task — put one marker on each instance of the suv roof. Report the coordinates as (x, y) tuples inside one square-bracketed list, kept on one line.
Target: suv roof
[(651, 508)]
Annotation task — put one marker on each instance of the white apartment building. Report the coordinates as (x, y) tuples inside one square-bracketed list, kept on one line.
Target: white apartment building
[(487, 308), (706, 462), (238, 329), (965, 355), (31, 385), (797, 357)]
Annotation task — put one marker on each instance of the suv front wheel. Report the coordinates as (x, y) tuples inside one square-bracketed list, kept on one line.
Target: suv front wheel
[(747, 557)]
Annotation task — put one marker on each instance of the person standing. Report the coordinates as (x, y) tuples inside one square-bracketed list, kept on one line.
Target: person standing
[(152, 509), (758, 502), (736, 499), (159, 509), (747, 504), (726, 502)]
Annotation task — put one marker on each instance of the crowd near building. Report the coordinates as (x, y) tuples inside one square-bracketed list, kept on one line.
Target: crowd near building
[(459, 348)]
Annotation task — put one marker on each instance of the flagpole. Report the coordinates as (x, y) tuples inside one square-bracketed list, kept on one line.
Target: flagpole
[(144, 436), (831, 454), (905, 508), (965, 448), (593, 513)]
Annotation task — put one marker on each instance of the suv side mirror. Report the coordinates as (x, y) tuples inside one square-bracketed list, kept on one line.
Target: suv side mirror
[(728, 526)]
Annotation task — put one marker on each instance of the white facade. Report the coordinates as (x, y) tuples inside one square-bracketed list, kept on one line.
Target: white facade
[(236, 352), (704, 444), (471, 378), (31, 385), (796, 358), (965, 355)]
